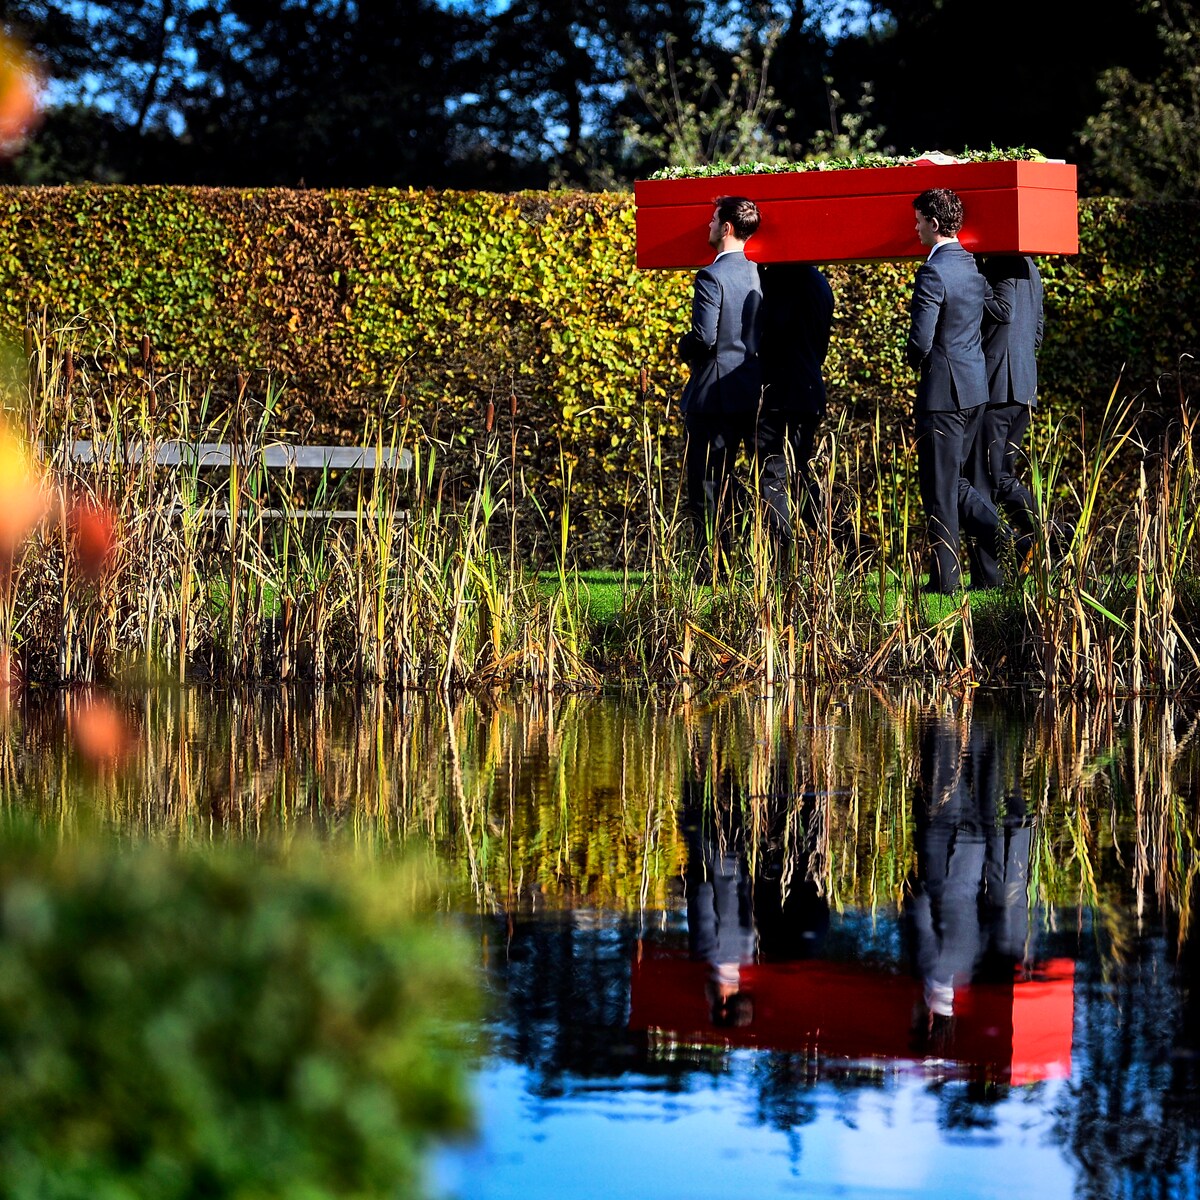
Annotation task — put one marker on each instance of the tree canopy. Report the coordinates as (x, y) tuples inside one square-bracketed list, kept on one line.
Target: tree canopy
[(521, 93), (1143, 140)]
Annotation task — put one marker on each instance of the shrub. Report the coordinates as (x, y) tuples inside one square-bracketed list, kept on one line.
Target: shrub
[(455, 300), (204, 1024)]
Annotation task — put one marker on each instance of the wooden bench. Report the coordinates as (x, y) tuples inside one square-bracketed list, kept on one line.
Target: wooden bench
[(272, 455)]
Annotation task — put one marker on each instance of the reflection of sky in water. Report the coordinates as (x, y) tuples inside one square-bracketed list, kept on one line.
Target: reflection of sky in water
[(604, 1115), (627, 1138), (599, 851), (574, 1101)]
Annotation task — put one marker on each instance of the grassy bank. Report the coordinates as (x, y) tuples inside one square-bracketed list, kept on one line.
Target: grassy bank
[(438, 582)]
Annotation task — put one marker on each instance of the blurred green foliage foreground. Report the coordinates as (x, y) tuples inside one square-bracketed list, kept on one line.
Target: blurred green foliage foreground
[(187, 1024)]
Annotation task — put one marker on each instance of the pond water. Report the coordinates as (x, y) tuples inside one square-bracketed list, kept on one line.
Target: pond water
[(852, 943)]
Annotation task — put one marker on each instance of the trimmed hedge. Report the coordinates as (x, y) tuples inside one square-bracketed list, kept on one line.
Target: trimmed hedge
[(455, 299)]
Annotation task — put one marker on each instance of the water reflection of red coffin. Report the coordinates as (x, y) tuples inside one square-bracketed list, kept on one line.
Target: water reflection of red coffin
[(1020, 1032), (865, 213)]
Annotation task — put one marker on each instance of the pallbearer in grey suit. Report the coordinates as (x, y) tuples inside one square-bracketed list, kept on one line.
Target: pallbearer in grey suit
[(1013, 324), (944, 345), (721, 399)]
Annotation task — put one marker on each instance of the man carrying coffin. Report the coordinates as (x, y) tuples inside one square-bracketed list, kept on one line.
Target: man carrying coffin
[(796, 325), (944, 346), (1013, 323), (721, 399)]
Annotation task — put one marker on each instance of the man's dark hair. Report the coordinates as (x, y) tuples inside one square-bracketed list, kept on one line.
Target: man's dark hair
[(734, 1012), (941, 205), (741, 213)]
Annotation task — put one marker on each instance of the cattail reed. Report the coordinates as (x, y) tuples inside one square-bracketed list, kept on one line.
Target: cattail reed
[(434, 580)]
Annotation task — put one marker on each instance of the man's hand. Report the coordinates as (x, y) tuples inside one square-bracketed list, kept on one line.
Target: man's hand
[(692, 349)]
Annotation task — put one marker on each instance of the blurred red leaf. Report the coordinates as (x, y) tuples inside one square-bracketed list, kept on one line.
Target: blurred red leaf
[(99, 731), (95, 537)]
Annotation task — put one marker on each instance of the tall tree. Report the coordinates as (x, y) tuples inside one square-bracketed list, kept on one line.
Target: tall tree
[(348, 92), (554, 92), (810, 98), (1143, 141), (118, 71), (251, 91), (702, 113), (948, 74)]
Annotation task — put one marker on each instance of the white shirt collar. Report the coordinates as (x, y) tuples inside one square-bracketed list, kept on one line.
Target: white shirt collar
[(725, 252), (938, 245)]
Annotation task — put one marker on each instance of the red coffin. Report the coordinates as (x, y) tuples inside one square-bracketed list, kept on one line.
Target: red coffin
[(862, 214)]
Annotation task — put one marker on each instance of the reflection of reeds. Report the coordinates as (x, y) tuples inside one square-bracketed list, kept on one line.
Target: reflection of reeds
[(548, 800)]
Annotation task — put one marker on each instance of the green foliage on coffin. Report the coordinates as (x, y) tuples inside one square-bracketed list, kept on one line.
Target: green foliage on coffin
[(455, 299), (867, 158), (186, 1023)]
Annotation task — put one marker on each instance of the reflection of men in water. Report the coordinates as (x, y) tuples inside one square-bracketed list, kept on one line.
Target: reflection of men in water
[(736, 917), (720, 920), (968, 904), (791, 912)]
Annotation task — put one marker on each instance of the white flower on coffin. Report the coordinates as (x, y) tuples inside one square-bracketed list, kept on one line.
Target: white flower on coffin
[(937, 158)]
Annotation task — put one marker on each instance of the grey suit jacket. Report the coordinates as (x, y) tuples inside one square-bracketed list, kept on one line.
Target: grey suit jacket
[(722, 344), (1013, 323), (944, 336)]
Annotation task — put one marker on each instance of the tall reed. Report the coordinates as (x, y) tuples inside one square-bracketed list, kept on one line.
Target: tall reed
[(460, 573)]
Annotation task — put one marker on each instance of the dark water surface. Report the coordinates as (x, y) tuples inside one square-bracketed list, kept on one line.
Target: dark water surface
[(849, 944)]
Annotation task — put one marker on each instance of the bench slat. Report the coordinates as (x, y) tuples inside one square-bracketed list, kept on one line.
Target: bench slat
[(297, 514), (223, 454)]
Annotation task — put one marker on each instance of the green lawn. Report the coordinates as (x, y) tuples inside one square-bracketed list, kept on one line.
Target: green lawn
[(601, 594)]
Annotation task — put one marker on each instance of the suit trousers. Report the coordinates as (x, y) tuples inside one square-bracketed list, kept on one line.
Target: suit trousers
[(783, 446), (713, 493), (944, 444), (993, 474), (1004, 429)]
